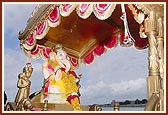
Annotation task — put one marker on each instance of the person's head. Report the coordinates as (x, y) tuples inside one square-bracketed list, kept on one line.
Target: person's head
[(28, 69), (61, 55), (62, 58)]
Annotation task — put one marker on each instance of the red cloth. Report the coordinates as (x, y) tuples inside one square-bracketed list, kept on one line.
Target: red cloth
[(70, 72), (46, 87), (69, 98)]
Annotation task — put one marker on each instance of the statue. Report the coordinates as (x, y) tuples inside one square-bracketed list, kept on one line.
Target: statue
[(61, 82), (22, 100)]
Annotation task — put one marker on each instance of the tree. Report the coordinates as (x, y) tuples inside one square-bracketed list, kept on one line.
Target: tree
[(127, 102), (137, 101), (144, 101)]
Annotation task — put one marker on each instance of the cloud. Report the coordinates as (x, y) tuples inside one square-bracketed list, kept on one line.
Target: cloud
[(103, 92), (119, 74), (14, 61), (99, 88), (118, 64), (15, 19), (16, 16), (115, 75)]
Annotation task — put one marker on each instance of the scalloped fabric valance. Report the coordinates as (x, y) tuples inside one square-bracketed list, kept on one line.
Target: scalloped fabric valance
[(102, 12)]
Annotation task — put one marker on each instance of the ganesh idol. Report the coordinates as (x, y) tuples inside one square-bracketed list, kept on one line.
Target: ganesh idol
[(60, 80)]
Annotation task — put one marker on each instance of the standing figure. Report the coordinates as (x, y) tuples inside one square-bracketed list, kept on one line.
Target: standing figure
[(54, 90), (60, 84), (24, 86)]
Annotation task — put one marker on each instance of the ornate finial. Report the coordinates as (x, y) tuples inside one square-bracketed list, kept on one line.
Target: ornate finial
[(45, 107), (116, 106)]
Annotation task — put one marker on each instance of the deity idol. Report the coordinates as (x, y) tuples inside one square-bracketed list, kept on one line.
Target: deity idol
[(60, 84)]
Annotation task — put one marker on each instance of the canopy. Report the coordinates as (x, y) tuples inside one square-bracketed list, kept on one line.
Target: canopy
[(85, 30)]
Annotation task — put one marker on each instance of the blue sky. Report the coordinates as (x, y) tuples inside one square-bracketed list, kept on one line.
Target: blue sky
[(119, 74)]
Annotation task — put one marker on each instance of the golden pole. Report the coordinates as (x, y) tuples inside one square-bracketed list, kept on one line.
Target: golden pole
[(160, 47), (153, 58)]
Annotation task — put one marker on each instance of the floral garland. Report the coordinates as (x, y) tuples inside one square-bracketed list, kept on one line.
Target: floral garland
[(71, 90)]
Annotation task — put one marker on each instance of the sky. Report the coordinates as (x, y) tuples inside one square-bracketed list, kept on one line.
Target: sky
[(120, 74)]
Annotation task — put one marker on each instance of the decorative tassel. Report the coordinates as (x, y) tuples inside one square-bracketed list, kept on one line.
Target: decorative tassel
[(128, 40)]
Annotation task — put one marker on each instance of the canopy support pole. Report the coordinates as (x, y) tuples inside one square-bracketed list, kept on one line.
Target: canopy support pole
[(160, 43), (153, 58)]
